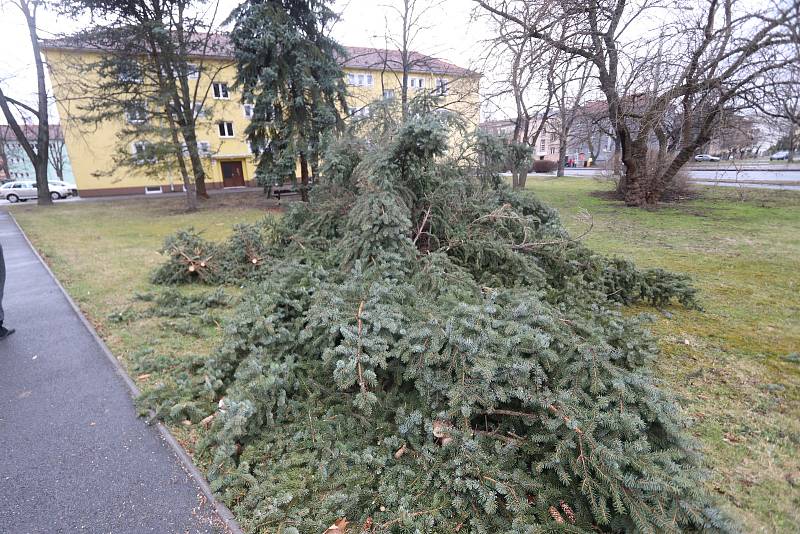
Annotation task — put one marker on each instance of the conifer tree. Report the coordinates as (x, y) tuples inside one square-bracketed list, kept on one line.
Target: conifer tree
[(426, 350), (288, 68)]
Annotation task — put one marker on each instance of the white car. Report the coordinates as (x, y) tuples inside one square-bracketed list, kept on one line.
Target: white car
[(23, 191), (705, 157), (58, 184)]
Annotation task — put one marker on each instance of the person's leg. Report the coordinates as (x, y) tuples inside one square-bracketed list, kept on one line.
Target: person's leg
[(4, 332), (2, 283)]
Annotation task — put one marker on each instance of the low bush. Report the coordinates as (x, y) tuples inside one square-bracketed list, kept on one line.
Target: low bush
[(544, 165)]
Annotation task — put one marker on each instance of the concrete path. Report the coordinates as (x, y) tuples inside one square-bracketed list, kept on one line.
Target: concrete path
[(74, 456)]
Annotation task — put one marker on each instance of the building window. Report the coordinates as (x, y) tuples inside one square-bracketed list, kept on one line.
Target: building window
[(552, 150), (129, 72), (200, 111), (417, 83), (220, 90), (441, 86), (359, 80), (541, 145), (552, 136), (361, 112), (143, 152), (192, 71), (225, 129), (203, 148), (248, 110), (152, 190), (388, 94), (136, 112)]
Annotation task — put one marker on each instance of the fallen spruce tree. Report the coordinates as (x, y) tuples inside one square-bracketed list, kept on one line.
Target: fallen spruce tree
[(419, 349)]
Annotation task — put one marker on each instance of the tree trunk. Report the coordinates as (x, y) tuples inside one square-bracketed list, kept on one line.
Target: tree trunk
[(42, 183), (634, 189), (522, 177), (562, 155), (198, 170), (303, 177), (191, 197)]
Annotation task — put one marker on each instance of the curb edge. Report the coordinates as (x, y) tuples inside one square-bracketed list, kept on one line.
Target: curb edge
[(223, 512)]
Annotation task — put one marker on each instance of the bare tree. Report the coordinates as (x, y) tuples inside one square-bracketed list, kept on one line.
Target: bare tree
[(704, 59), (779, 99), (37, 151), (529, 70), (58, 154), (5, 132), (567, 86)]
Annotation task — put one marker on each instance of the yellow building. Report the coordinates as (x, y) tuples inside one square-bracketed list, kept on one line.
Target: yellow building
[(371, 74)]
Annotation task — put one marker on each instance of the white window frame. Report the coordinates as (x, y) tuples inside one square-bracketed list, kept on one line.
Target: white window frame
[(442, 86), (140, 160), (138, 105), (129, 77), (362, 112), (245, 107), (192, 71), (225, 129), (151, 190), (360, 79), (388, 94), (220, 91)]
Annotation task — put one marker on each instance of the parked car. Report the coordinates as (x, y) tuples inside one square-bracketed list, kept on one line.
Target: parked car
[(705, 157), (778, 156), (22, 191), (57, 184)]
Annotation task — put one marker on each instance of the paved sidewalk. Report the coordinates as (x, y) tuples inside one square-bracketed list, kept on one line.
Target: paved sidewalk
[(73, 454)]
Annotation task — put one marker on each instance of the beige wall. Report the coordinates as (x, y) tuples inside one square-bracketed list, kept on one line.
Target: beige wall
[(92, 147)]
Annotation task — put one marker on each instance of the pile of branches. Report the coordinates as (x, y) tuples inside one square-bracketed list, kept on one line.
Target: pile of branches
[(191, 258), (428, 351)]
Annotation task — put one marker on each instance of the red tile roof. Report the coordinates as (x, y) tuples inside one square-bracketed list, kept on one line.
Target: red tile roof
[(219, 46), (31, 131)]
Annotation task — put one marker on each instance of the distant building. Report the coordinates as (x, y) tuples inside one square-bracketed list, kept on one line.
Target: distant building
[(547, 144), (16, 165), (371, 75)]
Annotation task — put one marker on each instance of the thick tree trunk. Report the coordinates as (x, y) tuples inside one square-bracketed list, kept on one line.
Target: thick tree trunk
[(303, 177), (42, 184), (198, 171), (522, 178), (635, 188), (562, 155)]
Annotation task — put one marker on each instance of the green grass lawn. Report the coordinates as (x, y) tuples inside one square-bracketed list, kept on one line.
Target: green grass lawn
[(730, 363)]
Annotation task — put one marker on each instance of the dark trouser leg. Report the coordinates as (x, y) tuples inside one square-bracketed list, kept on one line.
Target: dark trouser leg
[(2, 283)]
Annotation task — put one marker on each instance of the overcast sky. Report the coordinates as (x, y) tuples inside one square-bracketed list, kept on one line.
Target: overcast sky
[(449, 33)]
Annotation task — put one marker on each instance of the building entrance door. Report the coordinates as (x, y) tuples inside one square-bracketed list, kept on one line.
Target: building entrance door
[(232, 174)]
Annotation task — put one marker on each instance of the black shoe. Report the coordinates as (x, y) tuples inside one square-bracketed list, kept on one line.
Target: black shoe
[(5, 332)]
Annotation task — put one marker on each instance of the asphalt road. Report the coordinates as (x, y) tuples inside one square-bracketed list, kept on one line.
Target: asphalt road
[(74, 456)]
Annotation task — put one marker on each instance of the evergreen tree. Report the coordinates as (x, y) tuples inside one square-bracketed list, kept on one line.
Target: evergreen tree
[(426, 350), (288, 68)]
